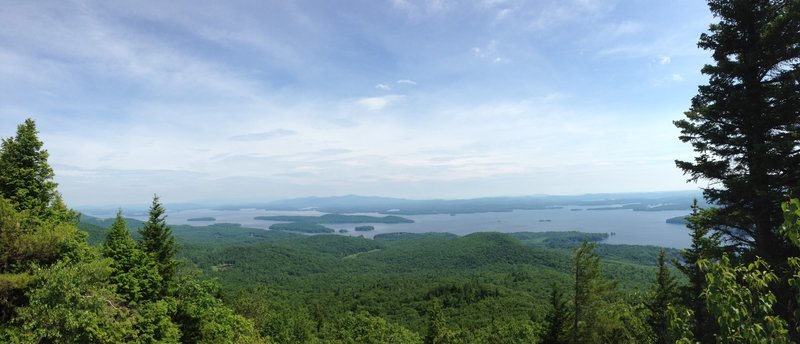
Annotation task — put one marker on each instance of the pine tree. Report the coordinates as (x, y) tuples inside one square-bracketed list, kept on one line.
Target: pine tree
[(118, 238), (556, 318), (134, 273), (705, 245), (592, 295), (745, 122), (26, 179), (664, 294), (438, 332), (157, 240)]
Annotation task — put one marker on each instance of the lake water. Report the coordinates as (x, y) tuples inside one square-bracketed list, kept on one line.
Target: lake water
[(630, 227)]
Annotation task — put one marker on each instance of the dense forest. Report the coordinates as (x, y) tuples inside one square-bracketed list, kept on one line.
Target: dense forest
[(71, 278)]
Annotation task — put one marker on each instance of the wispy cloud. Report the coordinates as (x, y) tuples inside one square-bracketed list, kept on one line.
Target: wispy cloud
[(407, 82), (665, 60), (383, 87), (267, 135), (378, 103)]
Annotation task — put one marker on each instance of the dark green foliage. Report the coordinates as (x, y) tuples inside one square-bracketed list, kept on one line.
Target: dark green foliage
[(302, 227), (678, 220), (202, 317), (743, 124), (664, 294), (705, 245), (202, 219), (134, 273), (438, 332), (361, 327), (26, 179), (157, 241), (364, 228), (558, 239), (73, 303), (590, 297), (27, 241), (556, 319)]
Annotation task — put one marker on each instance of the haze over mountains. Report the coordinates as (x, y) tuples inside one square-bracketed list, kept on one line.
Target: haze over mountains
[(642, 201)]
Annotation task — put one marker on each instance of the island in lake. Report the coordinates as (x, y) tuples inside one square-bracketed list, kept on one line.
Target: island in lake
[(364, 228), (207, 218), (302, 227), (679, 220), (337, 218)]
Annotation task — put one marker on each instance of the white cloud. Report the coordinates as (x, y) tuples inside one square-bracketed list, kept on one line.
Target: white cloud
[(677, 77), (383, 87), (406, 81), (264, 135), (378, 103), (665, 60)]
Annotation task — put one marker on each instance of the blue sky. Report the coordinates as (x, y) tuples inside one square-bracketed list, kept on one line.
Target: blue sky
[(200, 100)]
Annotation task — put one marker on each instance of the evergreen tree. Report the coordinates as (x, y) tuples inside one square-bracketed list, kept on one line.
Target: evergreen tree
[(744, 123), (26, 179), (134, 273), (157, 240), (438, 332), (118, 238), (705, 245), (556, 318), (592, 293), (664, 294)]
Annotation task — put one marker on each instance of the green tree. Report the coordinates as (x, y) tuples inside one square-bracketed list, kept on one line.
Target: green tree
[(738, 297), (26, 179), (361, 328), (509, 331), (744, 122), (556, 318), (71, 302), (157, 240), (134, 273), (203, 318), (27, 241), (664, 294), (438, 332), (592, 292), (705, 245)]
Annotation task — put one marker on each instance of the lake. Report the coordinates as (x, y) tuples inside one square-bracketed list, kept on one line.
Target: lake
[(630, 227)]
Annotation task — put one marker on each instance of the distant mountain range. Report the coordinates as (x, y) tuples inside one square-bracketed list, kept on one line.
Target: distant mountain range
[(642, 201)]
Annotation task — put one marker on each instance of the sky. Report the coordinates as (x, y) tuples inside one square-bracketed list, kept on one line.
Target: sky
[(262, 100)]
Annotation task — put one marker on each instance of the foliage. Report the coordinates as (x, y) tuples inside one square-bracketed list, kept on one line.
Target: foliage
[(590, 297), (705, 245), (302, 227), (73, 303), (743, 123), (26, 179), (135, 273), (557, 318), (664, 294), (738, 297), (157, 241), (357, 328), (203, 318)]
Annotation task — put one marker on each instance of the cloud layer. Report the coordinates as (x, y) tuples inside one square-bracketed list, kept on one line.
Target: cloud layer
[(399, 98)]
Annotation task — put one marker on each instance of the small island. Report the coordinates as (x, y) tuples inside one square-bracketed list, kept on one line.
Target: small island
[(364, 228), (336, 219), (343, 231), (679, 220), (302, 227), (207, 218)]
